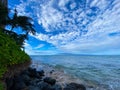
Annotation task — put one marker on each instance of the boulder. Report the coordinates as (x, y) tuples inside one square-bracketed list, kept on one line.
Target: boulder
[(74, 86), (33, 88), (26, 79), (52, 71), (35, 82), (44, 86), (33, 73), (49, 80), (41, 72), (56, 87)]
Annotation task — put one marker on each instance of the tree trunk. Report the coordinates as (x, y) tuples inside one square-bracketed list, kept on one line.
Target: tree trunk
[(4, 2)]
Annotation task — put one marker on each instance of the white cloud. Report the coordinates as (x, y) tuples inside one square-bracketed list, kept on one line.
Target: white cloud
[(34, 50), (62, 3), (28, 48), (73, 5), (39, 46), (50, 17), (100, 18), (21, 8)]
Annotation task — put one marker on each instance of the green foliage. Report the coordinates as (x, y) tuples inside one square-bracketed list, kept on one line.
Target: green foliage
[(24, 22), (10, 53), (19, 39), (3, 69), (1, 86)]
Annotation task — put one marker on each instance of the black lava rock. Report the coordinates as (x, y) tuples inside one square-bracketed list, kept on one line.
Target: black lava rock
[(52, 71), (74, 86), (49, 80), (33, 88), (44, 86), (26, 79), (41, 72), (56, 87), (35, 82), (33, 73), (31, 79)]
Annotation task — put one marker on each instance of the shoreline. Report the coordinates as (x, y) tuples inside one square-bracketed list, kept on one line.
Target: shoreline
[(39, 76), (45, 78), (63, 77)]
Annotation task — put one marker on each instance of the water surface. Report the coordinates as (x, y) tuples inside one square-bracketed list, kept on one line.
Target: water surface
[(103, 71)]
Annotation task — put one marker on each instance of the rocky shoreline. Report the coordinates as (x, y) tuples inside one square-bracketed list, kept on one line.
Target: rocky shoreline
[(32, 79)]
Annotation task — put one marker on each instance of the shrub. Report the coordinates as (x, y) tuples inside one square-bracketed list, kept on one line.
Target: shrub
[(1, 86), (10, 53)]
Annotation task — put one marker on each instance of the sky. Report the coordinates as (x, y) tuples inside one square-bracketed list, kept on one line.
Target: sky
[(72, 26)]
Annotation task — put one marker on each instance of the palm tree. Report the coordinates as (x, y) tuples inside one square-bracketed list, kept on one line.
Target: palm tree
[(4, 2), (24, 22), (13, 21)]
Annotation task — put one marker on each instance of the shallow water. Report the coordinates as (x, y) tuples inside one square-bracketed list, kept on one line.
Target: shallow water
[(102, 71)]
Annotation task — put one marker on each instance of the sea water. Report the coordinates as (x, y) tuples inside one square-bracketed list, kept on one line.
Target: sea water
[(103, 71)]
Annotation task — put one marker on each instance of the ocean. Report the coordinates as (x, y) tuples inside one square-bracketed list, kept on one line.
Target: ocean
[(103, 71)]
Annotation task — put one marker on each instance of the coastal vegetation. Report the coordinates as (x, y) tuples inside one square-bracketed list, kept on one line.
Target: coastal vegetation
[(11, 43)]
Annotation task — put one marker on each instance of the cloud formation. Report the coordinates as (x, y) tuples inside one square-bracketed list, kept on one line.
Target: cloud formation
[(78, 26)]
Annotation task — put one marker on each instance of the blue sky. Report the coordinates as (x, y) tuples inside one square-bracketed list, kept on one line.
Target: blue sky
[(72, 26)]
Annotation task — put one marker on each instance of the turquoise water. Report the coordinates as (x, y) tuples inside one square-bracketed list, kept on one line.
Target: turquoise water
[(101, 70)]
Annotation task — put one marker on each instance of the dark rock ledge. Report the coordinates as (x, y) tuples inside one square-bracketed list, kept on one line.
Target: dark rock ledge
[(31, 79)]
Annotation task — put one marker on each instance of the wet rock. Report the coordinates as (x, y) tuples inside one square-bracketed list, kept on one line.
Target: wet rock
[(26, 79), (31, 79), (44, 86), (33, 73), (41, 72), (18, 79), (74, 86), (90, 86), (49, 80), (52, 71), (33, 88), (56, 87), (38, 76), (35, 82)]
